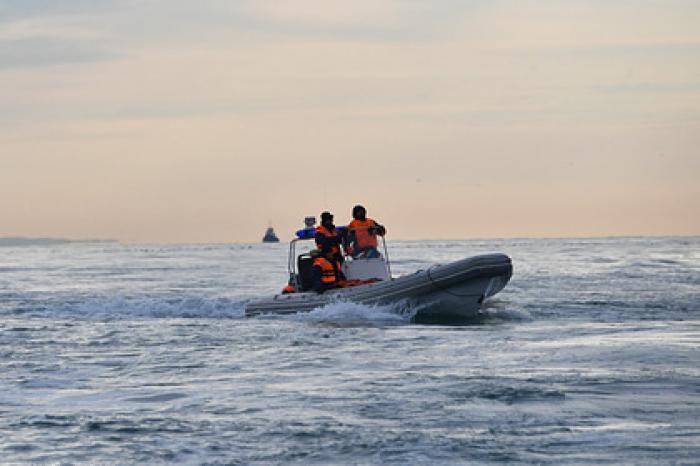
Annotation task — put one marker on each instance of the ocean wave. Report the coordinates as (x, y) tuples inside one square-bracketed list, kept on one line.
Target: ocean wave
[(125, 306)]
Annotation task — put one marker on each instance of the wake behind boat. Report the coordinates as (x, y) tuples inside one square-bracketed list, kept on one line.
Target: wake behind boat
[(439, 294)]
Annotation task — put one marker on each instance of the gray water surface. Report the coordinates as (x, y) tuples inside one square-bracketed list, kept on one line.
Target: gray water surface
[(116, 353)]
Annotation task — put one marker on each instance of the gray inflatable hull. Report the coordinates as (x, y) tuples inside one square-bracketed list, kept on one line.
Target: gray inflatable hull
[(442, 293)]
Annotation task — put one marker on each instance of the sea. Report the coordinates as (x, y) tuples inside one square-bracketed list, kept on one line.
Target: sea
[(117, 353)]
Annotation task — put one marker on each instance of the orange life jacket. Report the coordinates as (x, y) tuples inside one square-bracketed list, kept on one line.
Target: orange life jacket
[(334, 249), (329, 274), (363, 238)]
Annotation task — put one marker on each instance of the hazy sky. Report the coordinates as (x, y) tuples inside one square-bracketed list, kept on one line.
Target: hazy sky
[(176, 120)]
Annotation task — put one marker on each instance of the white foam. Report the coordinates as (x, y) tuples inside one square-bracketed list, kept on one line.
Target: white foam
[(343, 312), (119, 307), (495, 310)]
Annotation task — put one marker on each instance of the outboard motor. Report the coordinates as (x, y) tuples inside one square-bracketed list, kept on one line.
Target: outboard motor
[(305, 261), (304, 264)]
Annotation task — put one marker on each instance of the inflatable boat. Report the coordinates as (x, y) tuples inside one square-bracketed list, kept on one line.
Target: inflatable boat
[(444, 293)]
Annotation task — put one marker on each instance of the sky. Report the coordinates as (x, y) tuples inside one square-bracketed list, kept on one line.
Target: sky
[(207, 121)]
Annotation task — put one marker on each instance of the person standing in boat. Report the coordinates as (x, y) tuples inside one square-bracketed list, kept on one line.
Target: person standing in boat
[(326, 272), (328, 239), (362, 234)]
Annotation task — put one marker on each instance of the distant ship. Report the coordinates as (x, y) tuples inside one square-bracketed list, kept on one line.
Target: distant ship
[(270, 236)]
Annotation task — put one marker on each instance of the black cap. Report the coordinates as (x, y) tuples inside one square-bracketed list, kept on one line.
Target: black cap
[(326, 216)]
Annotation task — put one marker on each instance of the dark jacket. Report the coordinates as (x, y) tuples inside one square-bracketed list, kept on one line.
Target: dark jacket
[(329, 243)]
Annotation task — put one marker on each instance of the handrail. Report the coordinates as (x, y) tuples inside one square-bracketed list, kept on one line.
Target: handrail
[(292, 262), (386, 257)]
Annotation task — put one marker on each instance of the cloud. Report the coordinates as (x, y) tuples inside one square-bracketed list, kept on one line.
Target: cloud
[(484, 101), (362, 20), (43, 33), (13, 10), (33, 52)]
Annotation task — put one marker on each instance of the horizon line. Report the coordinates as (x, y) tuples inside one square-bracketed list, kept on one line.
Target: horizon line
[(49, 239)]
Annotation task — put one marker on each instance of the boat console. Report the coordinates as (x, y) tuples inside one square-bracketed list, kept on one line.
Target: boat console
[(366, 269), (299, 266)]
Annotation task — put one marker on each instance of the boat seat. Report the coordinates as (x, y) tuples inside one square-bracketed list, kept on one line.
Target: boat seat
[(304, 264)]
